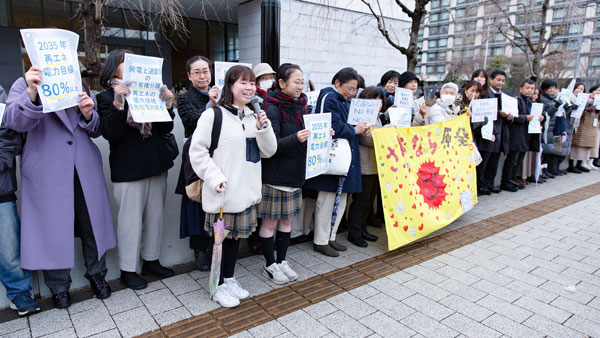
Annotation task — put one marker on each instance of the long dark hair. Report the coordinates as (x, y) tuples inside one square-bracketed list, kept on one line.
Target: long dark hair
[(465, 100), (484, 88), (283, 73), (114, 59), (374, 92), (233, 74)]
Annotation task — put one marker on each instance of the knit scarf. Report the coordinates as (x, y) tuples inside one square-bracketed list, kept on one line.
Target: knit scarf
[(285, 103), (144, 128)]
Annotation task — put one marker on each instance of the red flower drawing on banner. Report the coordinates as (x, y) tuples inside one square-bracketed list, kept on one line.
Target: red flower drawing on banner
[(432, 184)]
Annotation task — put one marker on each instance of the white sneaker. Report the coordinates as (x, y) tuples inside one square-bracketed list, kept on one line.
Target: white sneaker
[(235, 289), (287, 270), (224, 297), (273, 273), (584, 165), (590, 164)]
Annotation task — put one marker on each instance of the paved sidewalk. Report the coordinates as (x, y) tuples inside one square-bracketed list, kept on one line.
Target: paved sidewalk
[(511, 283)]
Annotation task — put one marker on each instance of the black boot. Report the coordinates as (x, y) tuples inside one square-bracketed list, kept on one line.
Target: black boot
[(580, 167), (153, 268), (202, 259), (132, 280), (61, 300), (99, 286), (596, 162)]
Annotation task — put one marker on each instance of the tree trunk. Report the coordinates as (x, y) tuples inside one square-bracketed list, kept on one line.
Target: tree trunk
[(413, 51), (91, 16)]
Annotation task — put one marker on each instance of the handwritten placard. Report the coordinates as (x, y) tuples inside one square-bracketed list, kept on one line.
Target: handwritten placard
[(55, 52), (510, 105), (597, 101), (482, 108), (565, 97), (403, 98), (535, 127), (319, 143), (363, 110), (400, 117), (145, 75), (581, 102), (221, 69)]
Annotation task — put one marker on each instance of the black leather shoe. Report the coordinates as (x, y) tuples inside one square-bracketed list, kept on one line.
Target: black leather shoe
[(61, 300), (132, 280), (483, 191), (547, 173), (508, 187), (573, 170), (518, 185), (596, 162), (582, 169), (100, 286), (369, 237), (495, 190), (153, 268), (555, 173), (358, 241), (299, 239), (202, 260), (563, 172)]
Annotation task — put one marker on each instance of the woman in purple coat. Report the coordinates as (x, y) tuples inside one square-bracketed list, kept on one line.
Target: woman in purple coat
[(63, 189)]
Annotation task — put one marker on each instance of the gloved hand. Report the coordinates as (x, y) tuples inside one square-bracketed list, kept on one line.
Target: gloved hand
[(558, 103)]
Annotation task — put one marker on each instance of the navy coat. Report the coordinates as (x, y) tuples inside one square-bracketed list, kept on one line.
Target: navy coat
[(518, 126), (338, 106)]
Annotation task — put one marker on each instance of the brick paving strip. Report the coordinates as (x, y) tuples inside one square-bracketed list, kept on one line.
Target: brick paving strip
[(252, 312)]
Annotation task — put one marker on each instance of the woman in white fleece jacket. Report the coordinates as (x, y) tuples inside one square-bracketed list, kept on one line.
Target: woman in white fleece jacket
[(232, 176)]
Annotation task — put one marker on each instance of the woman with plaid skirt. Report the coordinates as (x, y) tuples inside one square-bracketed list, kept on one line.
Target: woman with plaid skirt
[(283, 174)]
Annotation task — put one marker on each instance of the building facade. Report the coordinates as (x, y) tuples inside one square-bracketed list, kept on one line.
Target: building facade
[(459, 36)]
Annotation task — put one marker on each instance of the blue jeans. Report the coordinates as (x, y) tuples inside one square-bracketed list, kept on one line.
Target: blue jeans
[(14, 279)]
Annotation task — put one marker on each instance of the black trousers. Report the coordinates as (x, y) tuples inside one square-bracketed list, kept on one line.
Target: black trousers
[(362, 204), (491, 169), (511, 165), (231, 249), (60, 280), (481, 168)]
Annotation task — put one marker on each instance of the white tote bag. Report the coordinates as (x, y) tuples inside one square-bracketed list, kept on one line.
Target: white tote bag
[(340, 155)]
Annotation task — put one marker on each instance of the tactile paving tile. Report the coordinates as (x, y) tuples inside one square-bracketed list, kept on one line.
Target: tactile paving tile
[(203, 325), (347, 278), (281, 301), (245, 316), (375, 268), (316, 289)]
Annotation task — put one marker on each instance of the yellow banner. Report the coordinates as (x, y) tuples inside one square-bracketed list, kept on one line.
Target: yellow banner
[(427, 177)]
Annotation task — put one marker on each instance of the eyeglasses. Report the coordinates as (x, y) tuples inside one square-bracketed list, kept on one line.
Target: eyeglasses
[(299, 84), (350, 89), (198, 72)]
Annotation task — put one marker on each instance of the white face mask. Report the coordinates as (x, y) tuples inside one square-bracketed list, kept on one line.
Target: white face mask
[(266, 84), (448, 99)]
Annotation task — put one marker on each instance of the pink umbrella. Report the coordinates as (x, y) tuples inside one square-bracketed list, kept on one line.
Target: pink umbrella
[(220, 233)]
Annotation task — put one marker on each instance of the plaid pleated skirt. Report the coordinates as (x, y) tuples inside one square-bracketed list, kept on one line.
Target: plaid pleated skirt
[(279, 204), (240, 225)]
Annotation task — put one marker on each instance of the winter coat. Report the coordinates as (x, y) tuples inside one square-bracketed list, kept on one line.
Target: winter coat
[(288, 166), (368, 161), (518, 126), (441, 112), (189, 107), (53, 150), (132, 157), (11, 144), (339, 108), (585, 136), (236, 160)]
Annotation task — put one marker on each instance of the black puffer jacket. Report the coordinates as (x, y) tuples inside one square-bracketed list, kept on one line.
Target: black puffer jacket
[(11, 144), (190, 106)]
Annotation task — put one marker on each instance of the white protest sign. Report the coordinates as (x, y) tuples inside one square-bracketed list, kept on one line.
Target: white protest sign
[(420, 101), (510, 105), (571, 86), (363, 110), (565, 97), (318, 144), (535, 127), (400, 117), (487, 131), (581, 102), (311, 99), (597, 101), (482, 108), (2, 108), (403, 98), (55, 52), (145, 75), (221, 69)]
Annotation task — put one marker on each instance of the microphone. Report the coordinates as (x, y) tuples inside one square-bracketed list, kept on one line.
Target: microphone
[(256, 108)]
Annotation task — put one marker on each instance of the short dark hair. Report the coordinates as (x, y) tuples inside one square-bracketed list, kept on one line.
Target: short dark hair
[(188, 64), (389, 75), (497, 72), (283, 73), (345, 75), (374, 92), (594, 87), (234, 73), (114, 59), (548, 83), (528, 81)]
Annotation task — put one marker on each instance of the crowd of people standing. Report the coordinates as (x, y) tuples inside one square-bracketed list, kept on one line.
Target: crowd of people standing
[(252, 165)]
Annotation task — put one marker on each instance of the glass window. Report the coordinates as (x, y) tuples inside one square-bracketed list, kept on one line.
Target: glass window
[(434, 30), (597, 25), (559, 13), (444, 16), (595, 61), (575, 28), (595, 43), (572, 45), (434, 17), (458, 41), (460, 2), (57, 14), (233, 49), (113, 23), (216, 39), (460, 13), (441, 69), (27, 14), (469, 53), (432, 43), (420, 32), (430, 69), (443, 42), (459, 27), (418, 69), (445, 3), (435, 4), (3, 13)]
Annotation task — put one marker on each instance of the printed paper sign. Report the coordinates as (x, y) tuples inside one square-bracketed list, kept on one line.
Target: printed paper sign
[(400, 117), (571, 86), (311, 98), (363, 110), (466, 200), (565, 97), (510, 105), (482, 108), (487, 131), (2, 108), (403, 98), (535, 127), (318, 144), (597, 101), (420, 101), (221, 69), (55, 52), (145, 75), (581, 102)]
